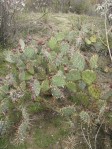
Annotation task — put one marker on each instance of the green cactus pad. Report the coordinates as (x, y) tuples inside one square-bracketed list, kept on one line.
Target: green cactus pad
[(81, 98), (20, 63), (22, 44), (58, 80), (93, 39), (36, 87), (73, 75), (52, 67), (78, 61), (53, 55), (71, 86), (85, 117), (88, 42), (65, 60), (94, 61), (60, 36), (82, 85), (29, 67), (58, 60), (88, 76), (45, 85), (9, 57), (94, 91), (29, 52), (41, 73), (52, 43), (28, 76), (22, 75), (64, 48), (56, 92), (68, 111)]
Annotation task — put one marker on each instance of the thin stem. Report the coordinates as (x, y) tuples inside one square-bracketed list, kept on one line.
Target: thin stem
[(89, 145), (96, 136), (107, 38), (88, 133)]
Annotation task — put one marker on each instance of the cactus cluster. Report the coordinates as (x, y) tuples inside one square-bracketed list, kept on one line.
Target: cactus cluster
[(35, 71)]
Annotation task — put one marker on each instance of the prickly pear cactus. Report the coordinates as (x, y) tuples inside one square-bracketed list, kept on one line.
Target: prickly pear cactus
[(73, 75), (78, 61), (45, 86), (56, 92), (71, 86), (59, 79), (89, 76), (94, 61), (57, 70), (29, 53), (36, 87), (94, 91)]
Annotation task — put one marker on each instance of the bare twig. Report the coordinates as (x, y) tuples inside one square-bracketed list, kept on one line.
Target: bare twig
[(88, 142), (88, 133), (103, 42), (110, 29), (96, 136), (107, 38)]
